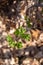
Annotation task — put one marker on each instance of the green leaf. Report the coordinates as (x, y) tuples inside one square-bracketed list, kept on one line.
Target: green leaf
[(9, 38), (16, 32), (22, 30), (19, 44), (25, 36), (19, 31), (12, 44)]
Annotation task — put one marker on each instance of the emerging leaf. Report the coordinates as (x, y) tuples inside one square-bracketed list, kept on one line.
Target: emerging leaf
[(19, 44), (22, 30), (16, 32), (9, 39), (25, 36)]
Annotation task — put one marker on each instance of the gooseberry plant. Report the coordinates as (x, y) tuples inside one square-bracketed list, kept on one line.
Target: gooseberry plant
[(19, 33)]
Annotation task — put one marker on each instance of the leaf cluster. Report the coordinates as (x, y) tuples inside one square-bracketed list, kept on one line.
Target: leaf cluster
[(13, 43), (21, 33)]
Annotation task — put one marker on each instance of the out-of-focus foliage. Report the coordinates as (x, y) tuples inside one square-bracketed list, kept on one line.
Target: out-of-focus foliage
[(28, 21), (13, 43), (21, 33)]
